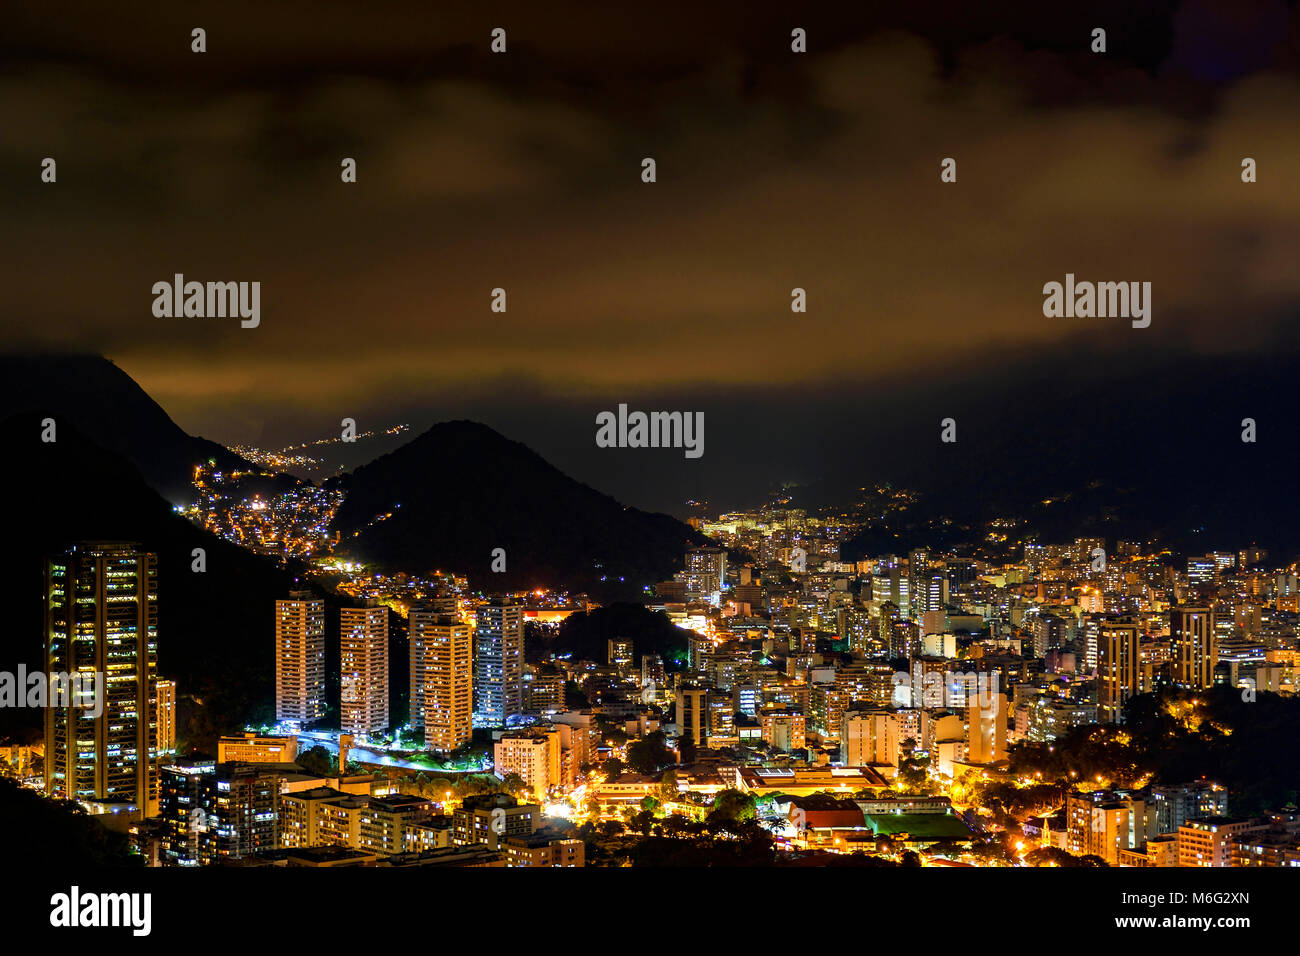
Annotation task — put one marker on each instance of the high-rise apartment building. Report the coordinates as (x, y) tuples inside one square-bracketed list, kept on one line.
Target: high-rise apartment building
[(300, 659), (932, 593), (854, 627), (1118, 673), (363, 669), (918, 581), (1176, 804), (693, 714), (1089, 642), (986, 728), (498, 663), (1047, 718), (441, 678), (421, 616), (891, 586), (302, 814), (706, 571), (1196, 649), (101, 629), (1106, 823)]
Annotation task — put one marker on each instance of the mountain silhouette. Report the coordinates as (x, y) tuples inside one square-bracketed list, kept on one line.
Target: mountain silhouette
[(450, 497), (92, 394)]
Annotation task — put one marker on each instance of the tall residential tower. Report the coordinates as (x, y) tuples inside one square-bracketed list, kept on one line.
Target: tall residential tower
[(441, 685), (1196, 647), (299, 659), (101, 625), (363, 665), (498, 663)]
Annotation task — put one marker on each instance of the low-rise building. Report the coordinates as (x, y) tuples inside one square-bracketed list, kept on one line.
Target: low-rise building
[(253, 748), (487, 819), (1211, 841)]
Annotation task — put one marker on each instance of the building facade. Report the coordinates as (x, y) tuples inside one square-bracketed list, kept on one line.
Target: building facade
[(101, 629), (498, 663), (300, 659), (364, 670)]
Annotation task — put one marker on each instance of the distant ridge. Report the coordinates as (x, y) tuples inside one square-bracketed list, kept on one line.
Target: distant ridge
[(1138, 445)]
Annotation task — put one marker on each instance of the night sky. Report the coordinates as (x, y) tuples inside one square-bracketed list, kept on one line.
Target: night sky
[(522, 171)]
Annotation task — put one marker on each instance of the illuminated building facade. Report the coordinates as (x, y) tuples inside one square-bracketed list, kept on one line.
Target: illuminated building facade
[(250, 748), (534, 756), (363, 670), (498, 663), (489, 819), (446, 674), (300, 659), (421, 617), (1119, 676), (693, 714), (101, 618), (180, 805), (1195, 646), (165, 712), (241, 804)]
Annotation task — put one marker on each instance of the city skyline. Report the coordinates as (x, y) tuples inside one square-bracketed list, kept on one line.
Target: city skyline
[(1227, 621), (729, 452)]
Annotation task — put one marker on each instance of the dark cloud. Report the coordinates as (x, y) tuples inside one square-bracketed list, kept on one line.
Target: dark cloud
[(522, 171)]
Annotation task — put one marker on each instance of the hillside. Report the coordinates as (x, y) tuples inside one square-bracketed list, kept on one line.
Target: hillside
[(459, 490)]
